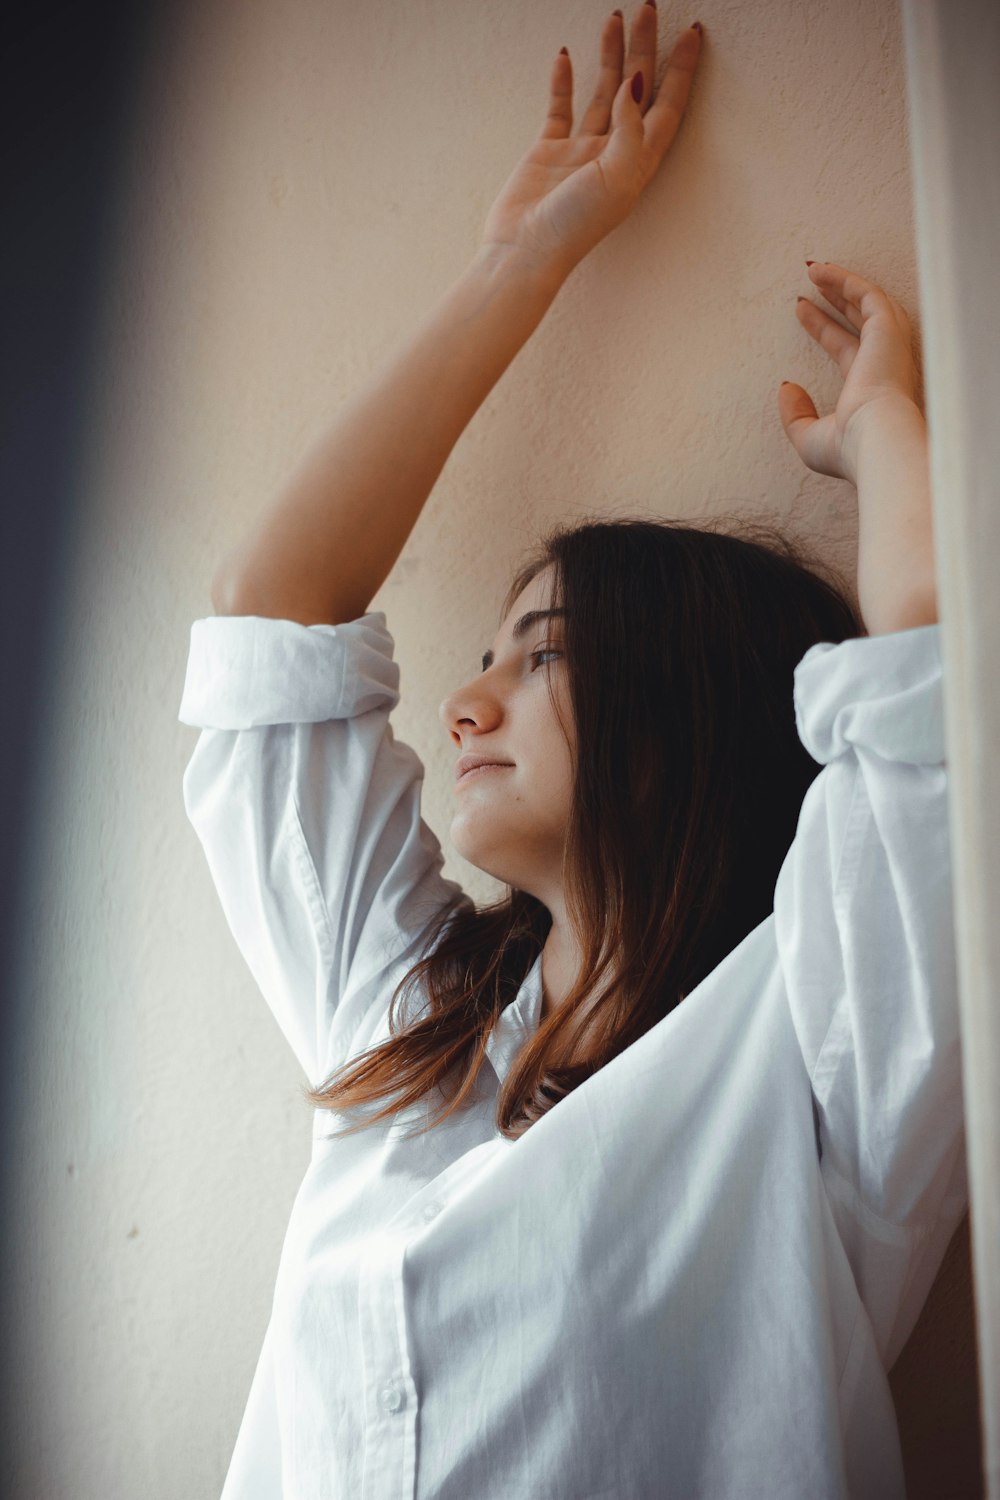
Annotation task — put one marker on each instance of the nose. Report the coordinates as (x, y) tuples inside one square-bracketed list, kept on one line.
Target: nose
[(472, 707)]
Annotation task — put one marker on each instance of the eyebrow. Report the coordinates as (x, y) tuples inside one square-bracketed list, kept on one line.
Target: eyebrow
[(522, 626)]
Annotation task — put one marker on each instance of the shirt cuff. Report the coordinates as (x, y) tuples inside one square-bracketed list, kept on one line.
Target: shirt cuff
[(245, 670), (882, 692)]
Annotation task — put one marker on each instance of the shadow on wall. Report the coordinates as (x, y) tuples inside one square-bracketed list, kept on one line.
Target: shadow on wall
[(935, 1386)]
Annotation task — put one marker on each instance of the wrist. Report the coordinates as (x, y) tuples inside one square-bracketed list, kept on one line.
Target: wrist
[(890, 422), (507, 263), (897, 584)]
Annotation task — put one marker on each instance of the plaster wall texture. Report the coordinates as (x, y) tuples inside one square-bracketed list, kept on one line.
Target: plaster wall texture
[(304, 178)]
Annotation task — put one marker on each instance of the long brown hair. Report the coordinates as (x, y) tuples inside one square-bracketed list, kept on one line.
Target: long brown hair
[(680, 646)]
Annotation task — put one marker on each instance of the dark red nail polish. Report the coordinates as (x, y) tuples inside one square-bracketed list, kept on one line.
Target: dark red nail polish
[(564, 51), (810, 262), (697, 26), (637, 86)]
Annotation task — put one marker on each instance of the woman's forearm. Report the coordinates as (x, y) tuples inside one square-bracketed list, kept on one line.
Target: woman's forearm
[(325, 547), (897, 585)]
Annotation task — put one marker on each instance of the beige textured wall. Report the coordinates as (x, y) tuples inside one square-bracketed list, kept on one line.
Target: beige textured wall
[(305, 178)]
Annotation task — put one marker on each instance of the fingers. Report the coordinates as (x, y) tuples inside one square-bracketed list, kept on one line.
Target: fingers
[(797, 411), (642, 49), (615, 66), (878, 326), (664, 115), (840, 343), (831, 280), (853, 295), (559, 120), (810, 435), (597, 116)]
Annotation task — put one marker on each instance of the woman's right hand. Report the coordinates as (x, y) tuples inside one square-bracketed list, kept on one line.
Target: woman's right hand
[(568, 192)]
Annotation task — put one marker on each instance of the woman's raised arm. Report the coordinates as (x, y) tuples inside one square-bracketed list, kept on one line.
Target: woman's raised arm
[(321, 552)]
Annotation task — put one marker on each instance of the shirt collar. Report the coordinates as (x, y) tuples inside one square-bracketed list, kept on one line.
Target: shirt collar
[(517, 1022)]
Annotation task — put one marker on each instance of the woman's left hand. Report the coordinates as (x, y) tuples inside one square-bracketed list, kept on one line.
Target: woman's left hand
[(876, 361), (569, 191)]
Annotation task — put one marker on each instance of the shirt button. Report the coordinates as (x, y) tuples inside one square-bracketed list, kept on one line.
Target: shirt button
[(390, 1397), (431, 1211)]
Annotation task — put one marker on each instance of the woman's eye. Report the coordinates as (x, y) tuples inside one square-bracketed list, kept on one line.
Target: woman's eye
[(545, 651)]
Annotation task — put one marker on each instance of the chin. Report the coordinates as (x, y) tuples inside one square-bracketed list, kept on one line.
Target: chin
[(481, 853)]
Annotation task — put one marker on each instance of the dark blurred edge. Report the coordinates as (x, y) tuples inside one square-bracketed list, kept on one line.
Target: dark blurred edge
[(72, 77)]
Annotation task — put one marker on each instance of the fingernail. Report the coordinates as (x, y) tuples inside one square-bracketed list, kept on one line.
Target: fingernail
[(618, 14), (564, 51), (637, 85), (810, 262), (697, 26), (652, 3)]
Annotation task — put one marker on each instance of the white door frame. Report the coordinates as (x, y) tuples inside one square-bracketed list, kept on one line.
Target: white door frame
[(953, 89)]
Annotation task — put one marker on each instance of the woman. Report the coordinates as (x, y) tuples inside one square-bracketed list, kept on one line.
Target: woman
[(640, 1192)]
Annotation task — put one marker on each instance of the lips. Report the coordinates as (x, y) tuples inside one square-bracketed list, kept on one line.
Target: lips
[(468, 763)]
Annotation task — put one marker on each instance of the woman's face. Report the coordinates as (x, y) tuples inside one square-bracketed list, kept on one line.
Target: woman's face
[(511, 821)]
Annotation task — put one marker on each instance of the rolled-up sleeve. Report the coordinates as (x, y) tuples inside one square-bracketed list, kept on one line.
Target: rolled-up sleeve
[(308, 811), (864, 927)]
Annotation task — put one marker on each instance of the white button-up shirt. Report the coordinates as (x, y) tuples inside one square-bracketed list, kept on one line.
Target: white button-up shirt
[(688, 1280)]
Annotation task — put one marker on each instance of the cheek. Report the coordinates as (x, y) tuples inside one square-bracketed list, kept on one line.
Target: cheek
[(558, 760), (547, 732), (565, 729)]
